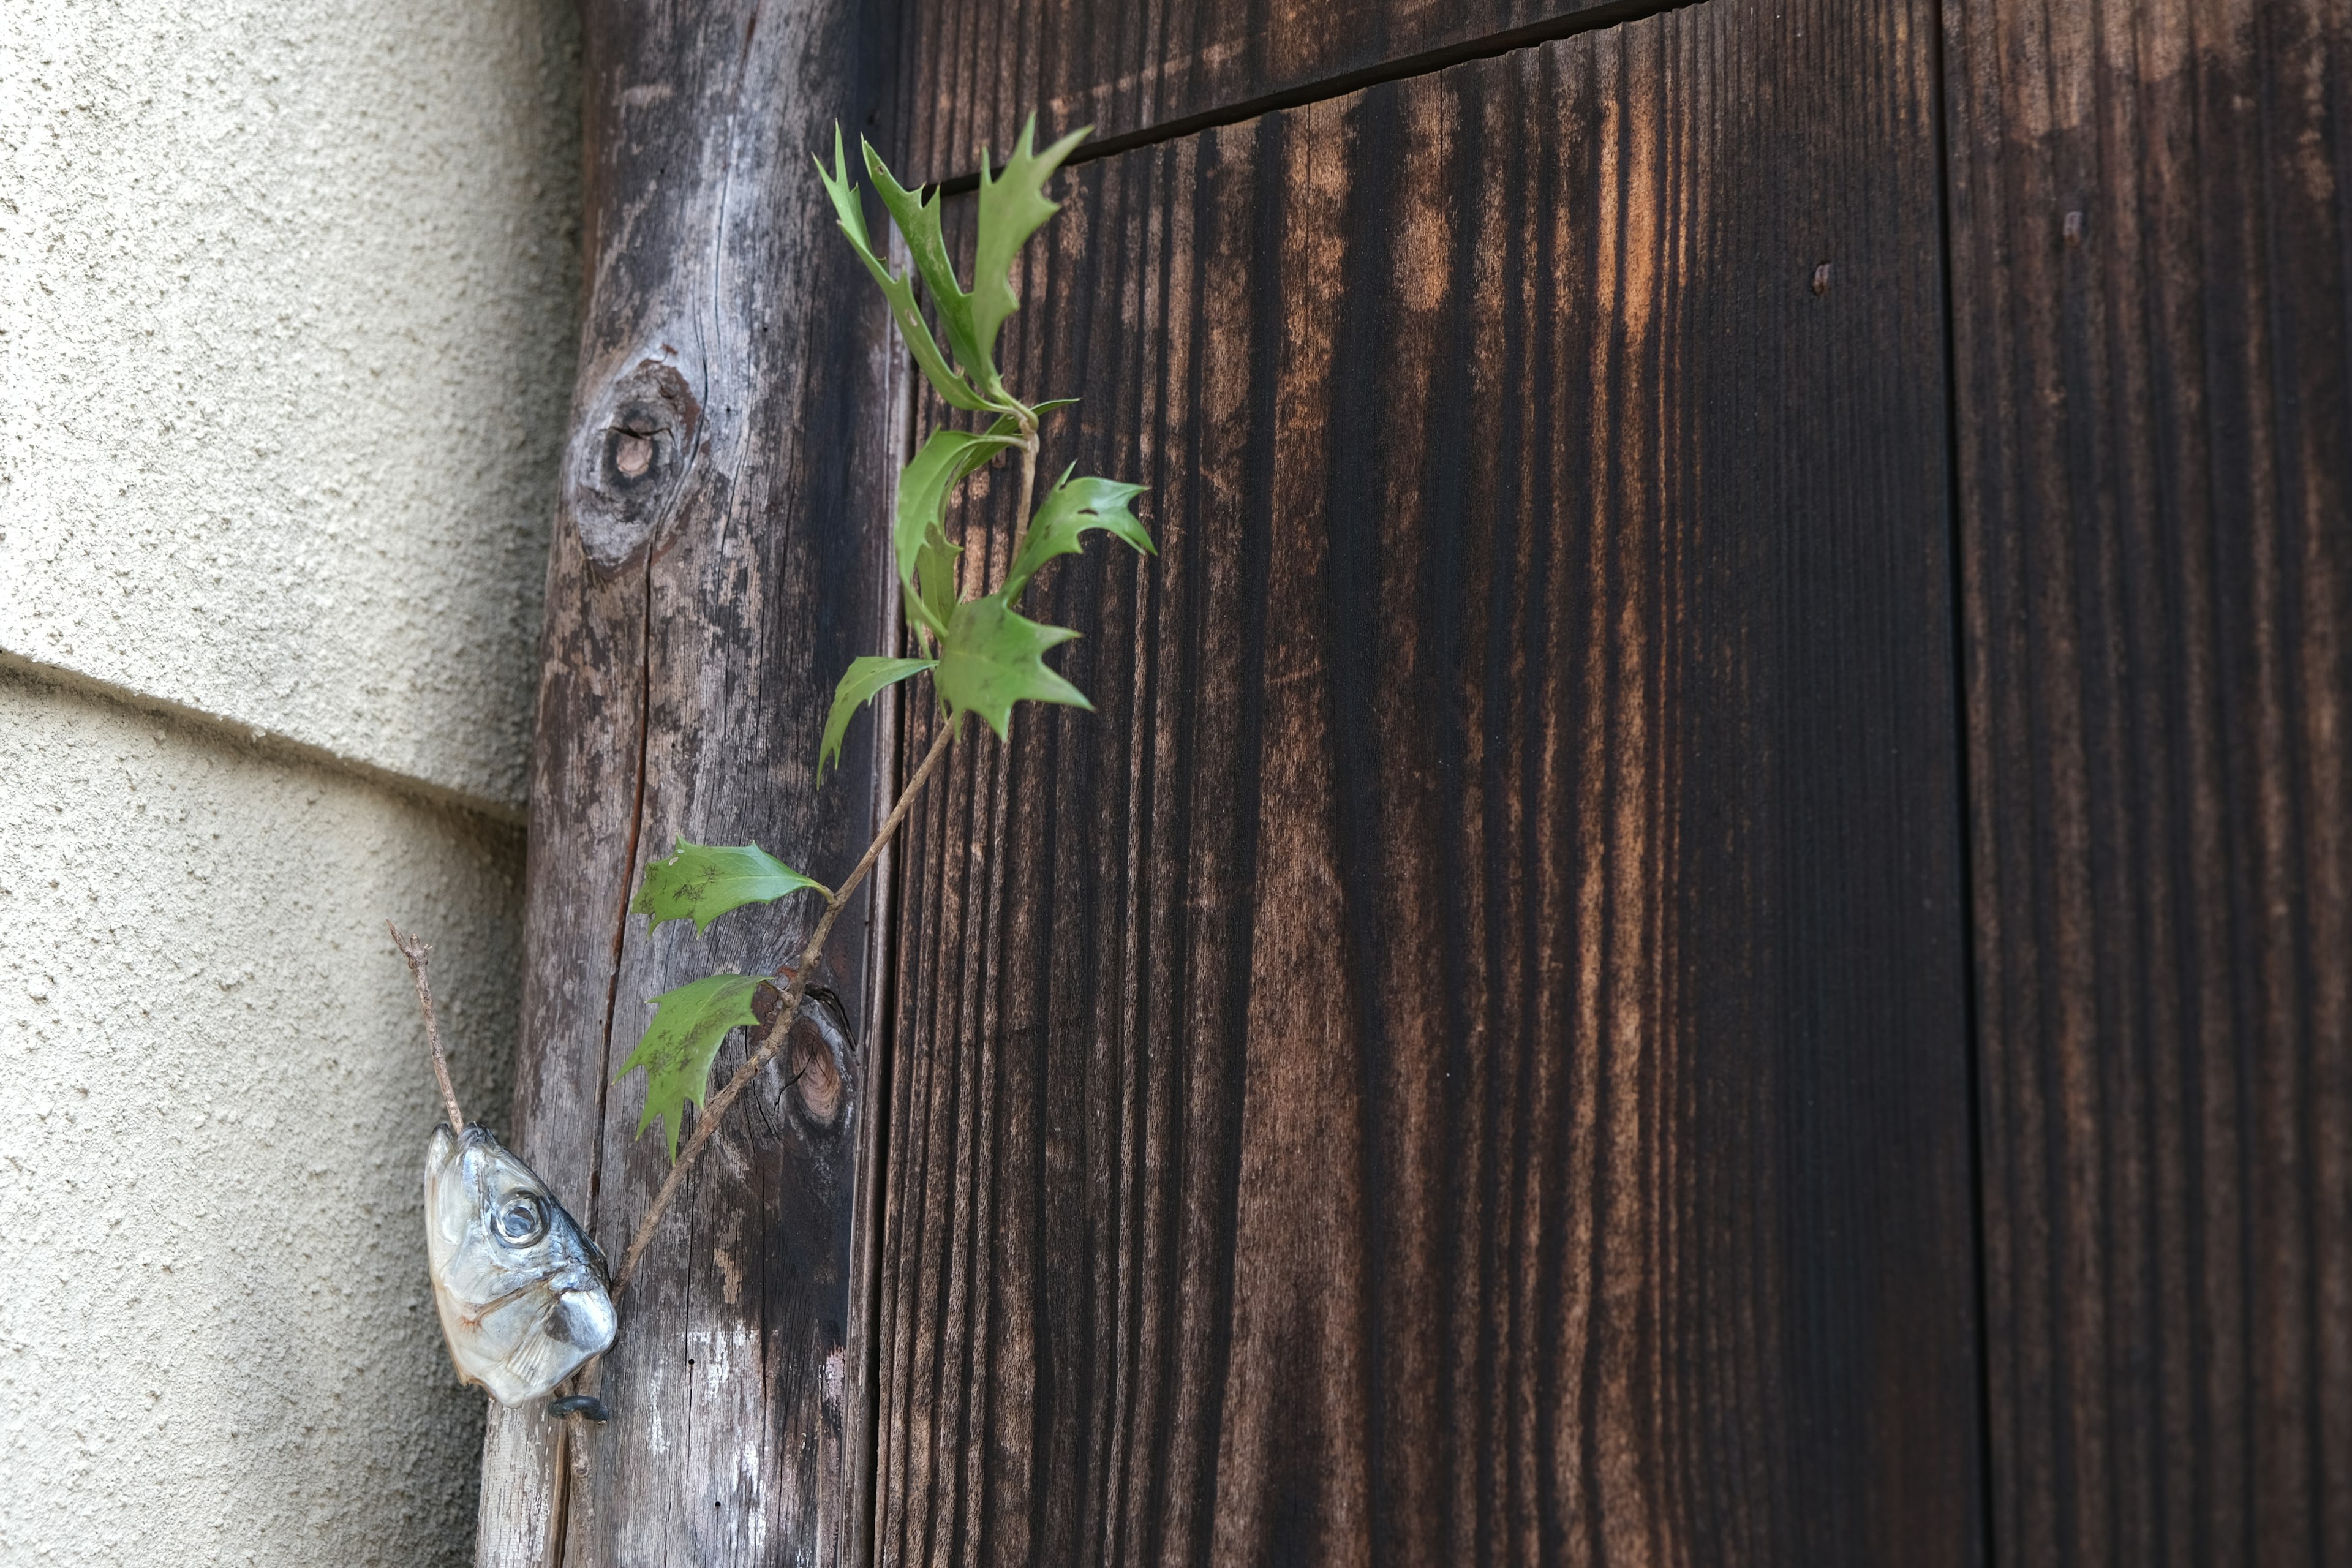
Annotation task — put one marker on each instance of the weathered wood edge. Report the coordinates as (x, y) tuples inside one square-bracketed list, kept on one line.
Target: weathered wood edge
[(895, 373)]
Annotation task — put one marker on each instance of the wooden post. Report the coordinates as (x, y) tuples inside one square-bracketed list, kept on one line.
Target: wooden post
[(712, 574)]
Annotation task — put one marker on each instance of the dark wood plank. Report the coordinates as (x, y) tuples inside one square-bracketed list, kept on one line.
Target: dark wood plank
[(973, 69), (2155, 400), (697, 614), (1461, 1058)]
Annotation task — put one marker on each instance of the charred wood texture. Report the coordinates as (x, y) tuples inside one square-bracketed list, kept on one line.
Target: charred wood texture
[(1462, 1056), (2152, 259), (968, 71)]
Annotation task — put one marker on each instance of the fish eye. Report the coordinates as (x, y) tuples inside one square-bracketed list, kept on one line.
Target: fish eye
[(522, 1219)]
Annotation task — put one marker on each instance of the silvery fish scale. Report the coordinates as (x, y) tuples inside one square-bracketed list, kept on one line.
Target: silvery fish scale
[(521, 1291)]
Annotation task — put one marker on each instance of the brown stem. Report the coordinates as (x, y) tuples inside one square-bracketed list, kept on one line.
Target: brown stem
[(418, 956), (773, 1040)]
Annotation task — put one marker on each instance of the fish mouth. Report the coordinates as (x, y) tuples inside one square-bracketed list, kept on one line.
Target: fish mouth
[(584, 1319)]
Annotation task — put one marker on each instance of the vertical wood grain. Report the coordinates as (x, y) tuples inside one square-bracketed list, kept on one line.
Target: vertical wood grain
[(701, 602), (1461, 1057), (2151, 269), (970, 71)]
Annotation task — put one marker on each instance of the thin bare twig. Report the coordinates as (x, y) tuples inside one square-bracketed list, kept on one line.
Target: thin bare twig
[(418, 956)]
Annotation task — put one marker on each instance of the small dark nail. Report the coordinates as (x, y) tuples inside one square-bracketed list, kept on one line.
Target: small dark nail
[(586, 1404), (1822, 279), (2075, 228)]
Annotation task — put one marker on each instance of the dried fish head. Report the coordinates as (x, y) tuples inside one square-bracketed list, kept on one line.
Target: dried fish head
[(521, 1291)]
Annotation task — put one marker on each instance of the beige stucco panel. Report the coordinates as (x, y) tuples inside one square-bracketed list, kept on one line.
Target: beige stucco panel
[(286, 307), (215, 1342)]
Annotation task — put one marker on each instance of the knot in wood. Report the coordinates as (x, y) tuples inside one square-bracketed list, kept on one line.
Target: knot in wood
[(816, 1078), (630, 450)]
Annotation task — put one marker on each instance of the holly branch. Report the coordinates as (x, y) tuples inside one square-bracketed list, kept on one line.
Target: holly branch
[(979, 653)]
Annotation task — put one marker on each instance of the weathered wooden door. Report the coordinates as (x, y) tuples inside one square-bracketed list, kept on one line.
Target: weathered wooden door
[(1580, 998), (1464, 1058)]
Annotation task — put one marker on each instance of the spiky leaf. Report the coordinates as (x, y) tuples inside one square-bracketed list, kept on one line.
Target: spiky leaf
[(867, 675), (919, 221), (896, 288), (935, 577), (690, 1024), (702, 881), (1071, 508), (1012, 205), (947, 458), (992, 658)]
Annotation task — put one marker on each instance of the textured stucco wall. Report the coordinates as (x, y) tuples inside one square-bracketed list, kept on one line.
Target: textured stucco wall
[(286, 315), (286, 305), (216, 1344)]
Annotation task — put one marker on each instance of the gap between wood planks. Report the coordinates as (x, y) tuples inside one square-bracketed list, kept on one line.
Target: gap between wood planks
[(1981, 1259), (1550, 29)]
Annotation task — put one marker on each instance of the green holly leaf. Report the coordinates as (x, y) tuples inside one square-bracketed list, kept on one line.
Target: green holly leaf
[(935, 578), (992, 658), (702, 881), (1071, 508), (867, 677), (948, 458), (690, 1024), (1013, 206), (919, 221), (896, 288)]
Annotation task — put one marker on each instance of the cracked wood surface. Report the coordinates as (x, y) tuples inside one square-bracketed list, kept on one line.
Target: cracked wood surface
[(713, 570)]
